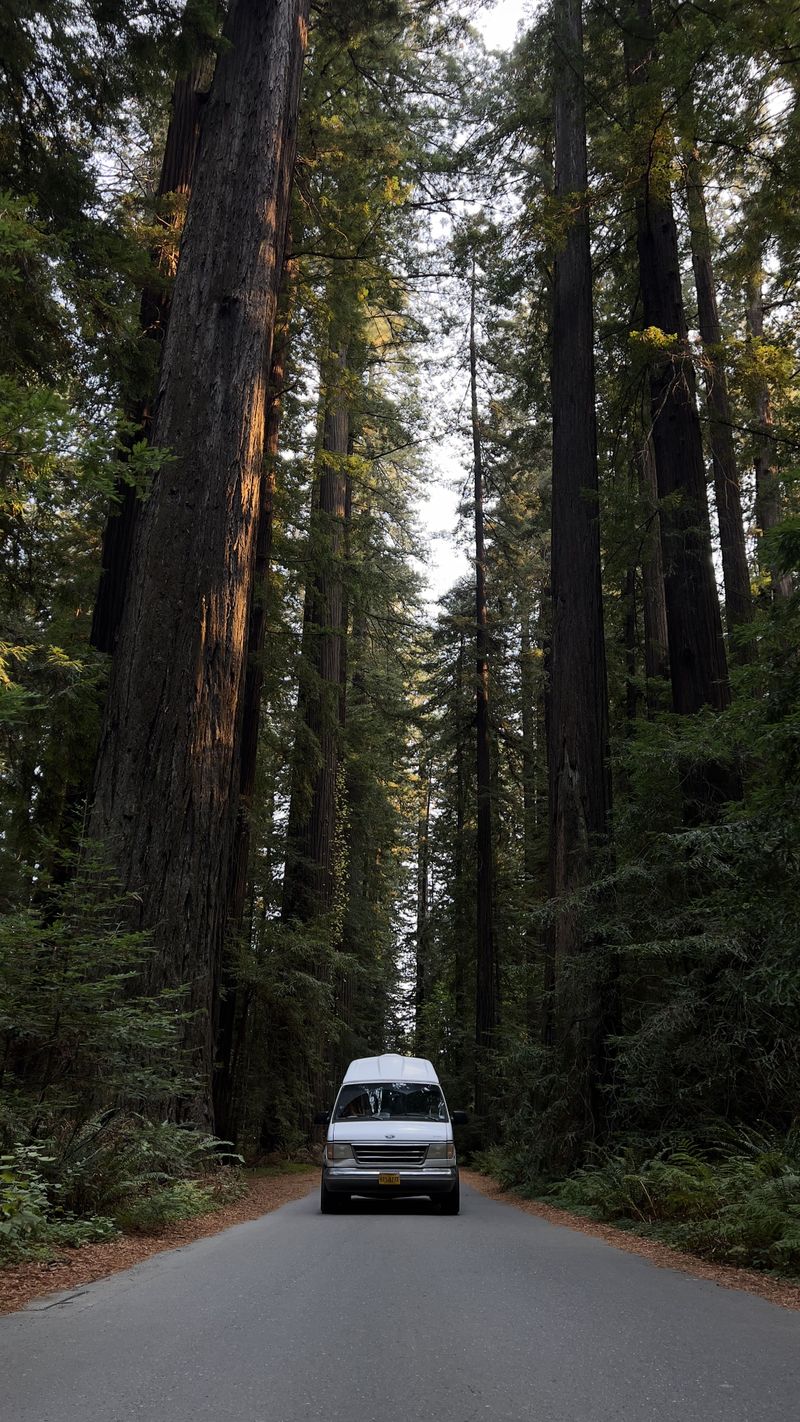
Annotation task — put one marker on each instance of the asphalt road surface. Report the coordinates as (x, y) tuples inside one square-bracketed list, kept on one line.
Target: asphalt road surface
[(395, 1313)]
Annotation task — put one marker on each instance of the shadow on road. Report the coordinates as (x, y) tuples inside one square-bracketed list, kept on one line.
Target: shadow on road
[(413, 1205)]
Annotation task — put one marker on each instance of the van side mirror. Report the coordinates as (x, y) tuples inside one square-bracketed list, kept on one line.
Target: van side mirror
[(459, 1118), (322, 1118)]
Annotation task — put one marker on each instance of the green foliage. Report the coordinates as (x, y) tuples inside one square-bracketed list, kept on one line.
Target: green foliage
[(151, 1213), (81, 1045), (116, 1171), (77, 1031), (30, 1224), (736, 1203)]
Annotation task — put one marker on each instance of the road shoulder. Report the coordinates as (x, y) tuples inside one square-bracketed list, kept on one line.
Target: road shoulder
[(663, 1256), (21, 1284)]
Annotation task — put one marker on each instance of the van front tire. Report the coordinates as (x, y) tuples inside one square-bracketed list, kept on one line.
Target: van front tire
[(451, 1202), (330, 1204)]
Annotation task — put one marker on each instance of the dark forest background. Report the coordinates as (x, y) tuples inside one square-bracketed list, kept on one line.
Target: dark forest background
[(263, 809)]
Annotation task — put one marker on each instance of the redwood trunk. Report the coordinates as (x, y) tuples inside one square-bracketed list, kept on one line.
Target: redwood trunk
[(167, 774), (727, 492), (177, 167), (579, 783), (698, 665), (228, 1001)]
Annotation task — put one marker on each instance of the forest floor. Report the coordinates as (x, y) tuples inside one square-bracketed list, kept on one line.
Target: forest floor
[(766, 1286), (264, 1190)]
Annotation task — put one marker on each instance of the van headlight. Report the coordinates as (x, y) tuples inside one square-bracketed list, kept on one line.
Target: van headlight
[(338, 1150), (441, 1150)]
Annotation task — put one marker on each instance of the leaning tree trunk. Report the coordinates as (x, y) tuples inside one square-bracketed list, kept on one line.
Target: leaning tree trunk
[(727, 491), (486, 1001), (175, 183), (768, 489), (698, 665), (166, 793), (579, 783), (228, 1000)]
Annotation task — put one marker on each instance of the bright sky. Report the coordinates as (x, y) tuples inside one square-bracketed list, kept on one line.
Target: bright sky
[(447, 562)]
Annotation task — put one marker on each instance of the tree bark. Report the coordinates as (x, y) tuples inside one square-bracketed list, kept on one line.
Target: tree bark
[(227, 999), (768, 489), (727, 491), (166, 782), (177, 168), (698, 665), (486, 996), (656, 637), (579, 781)]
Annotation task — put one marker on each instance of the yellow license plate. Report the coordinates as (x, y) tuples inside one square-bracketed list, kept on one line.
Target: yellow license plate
[(386, 1179)]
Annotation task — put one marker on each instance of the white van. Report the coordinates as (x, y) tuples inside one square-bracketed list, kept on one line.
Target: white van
[(390, 1134)]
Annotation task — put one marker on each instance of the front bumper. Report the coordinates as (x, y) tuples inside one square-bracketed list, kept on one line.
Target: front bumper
[(361, 1180)]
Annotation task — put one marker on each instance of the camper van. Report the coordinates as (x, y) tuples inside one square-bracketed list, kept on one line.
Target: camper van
[(390, 1134)]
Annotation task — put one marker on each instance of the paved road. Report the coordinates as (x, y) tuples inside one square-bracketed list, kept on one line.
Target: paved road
[(398, 1314)]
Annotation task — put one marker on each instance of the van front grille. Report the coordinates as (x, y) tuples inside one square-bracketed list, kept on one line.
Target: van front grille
[(389, 1153)]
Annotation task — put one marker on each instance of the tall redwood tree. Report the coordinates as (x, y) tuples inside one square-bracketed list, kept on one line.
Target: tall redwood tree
[(172, 194), (167, 774), (698, 664)]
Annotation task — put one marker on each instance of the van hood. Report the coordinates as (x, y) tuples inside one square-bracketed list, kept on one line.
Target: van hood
[(357, 1132)]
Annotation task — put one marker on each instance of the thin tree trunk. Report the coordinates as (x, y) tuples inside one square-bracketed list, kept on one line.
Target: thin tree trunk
[(656, 637), (310, 874), (167, 774), (632, 694), (461, 924), (727, 491), (530, 697), (309, 884), (698, 665), (579, 782), (768, 489), (486, 998), (422, 965), (175, 181), (347, 871)]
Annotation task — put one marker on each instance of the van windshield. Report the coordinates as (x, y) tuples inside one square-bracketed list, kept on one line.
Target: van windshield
[(390, 1101)]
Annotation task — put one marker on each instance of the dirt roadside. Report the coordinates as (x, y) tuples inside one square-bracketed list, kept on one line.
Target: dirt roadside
[(662, 1255), (20, 1284)]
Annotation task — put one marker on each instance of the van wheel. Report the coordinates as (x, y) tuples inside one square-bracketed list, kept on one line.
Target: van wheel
[(451, 1202), (329, 1203)]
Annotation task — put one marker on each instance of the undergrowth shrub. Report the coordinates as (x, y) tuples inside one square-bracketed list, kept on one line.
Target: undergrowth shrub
[(87, 1063), (153, 1212), (32, 1219), (737, 1203)]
